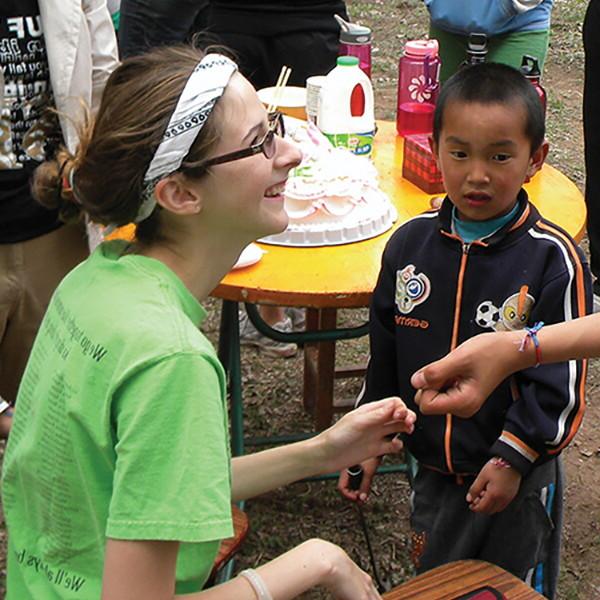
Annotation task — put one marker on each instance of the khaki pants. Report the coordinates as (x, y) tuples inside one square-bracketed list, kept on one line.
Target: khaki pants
[(29, 274)]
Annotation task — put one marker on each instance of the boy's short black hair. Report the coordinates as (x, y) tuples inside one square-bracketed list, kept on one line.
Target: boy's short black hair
[(493, 83)]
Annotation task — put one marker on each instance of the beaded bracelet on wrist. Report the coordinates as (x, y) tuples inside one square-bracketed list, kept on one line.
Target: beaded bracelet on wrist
[(500, 462)]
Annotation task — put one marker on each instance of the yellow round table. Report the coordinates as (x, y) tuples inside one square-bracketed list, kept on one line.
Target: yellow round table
[(327, 278), (344, 276)]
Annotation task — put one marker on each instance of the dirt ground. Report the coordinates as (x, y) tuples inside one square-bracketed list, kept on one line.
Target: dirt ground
[(272, 387)]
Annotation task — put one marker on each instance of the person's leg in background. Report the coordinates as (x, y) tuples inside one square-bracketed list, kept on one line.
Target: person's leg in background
[(145, 24), (201, 21), (507, 49), (591, 136), (453, 51), (29, 274), (250, 53), (276, 317), (324, 47)]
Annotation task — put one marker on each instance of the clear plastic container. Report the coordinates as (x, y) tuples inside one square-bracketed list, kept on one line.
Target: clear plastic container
[(346, 110), (418, 87), (355, 40)]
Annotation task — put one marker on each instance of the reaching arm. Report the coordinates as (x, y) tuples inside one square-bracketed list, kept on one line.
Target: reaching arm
[(549, 401), (146, 569), (361, 434), (460, 382)]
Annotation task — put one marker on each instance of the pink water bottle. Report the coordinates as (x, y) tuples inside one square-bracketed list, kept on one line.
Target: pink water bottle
[(418, 86), (531, 69), (355, 40)]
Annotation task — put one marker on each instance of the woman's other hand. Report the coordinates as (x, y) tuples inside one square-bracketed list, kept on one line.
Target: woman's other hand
[(366, 432)]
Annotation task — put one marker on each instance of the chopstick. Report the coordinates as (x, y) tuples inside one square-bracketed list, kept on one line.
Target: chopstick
[(282, 80)]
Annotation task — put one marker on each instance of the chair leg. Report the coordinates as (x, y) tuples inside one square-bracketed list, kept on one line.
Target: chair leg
[(310, 362), (229, 354), (229, 547)]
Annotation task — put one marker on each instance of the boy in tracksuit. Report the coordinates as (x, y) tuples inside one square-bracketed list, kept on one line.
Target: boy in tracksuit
[(487, 487)]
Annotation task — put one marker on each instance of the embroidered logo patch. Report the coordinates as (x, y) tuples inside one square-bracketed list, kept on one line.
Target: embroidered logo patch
[(512, 315), (412, 289)]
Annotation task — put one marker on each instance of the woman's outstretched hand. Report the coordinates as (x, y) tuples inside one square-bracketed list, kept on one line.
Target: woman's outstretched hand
[(366, 432)]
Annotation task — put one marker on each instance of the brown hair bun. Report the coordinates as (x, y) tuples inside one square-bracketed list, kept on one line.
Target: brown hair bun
[(51, 187)]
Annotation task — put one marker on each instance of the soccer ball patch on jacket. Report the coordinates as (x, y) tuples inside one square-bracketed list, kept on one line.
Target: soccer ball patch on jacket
[(512, 315)]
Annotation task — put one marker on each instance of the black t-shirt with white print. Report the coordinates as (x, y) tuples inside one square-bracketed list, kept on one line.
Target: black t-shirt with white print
[(29, 131)]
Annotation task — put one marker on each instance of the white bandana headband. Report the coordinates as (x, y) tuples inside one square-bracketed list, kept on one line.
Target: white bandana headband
[(204, 87)]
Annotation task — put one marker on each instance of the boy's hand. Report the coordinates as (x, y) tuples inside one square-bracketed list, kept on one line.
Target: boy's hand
[(494, 488), (361, 495)]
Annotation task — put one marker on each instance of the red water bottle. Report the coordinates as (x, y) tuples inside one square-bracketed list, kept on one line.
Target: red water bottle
[(355, 40), (531, 69), (418, 87)]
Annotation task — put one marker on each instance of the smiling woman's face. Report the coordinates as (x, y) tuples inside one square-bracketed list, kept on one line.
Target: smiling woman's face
[(246, 195)]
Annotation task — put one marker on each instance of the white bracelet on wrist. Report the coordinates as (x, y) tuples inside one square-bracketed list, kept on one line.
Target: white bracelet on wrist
[(257, 583)]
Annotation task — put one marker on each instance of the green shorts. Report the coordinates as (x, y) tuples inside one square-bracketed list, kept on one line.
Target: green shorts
[(508, 48)]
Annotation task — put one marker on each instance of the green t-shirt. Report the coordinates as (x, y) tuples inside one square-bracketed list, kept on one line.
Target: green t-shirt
[(120, 431)]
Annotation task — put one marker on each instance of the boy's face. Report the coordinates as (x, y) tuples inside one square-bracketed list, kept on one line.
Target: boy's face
[(485, 157)]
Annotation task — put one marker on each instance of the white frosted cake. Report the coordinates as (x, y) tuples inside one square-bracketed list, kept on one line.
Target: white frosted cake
[(333, 196)]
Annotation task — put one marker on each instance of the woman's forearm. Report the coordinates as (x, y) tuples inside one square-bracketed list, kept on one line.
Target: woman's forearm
[(255, 474), (146, 569), (576, 339), (289, 575), (363, 433), (579, 338)]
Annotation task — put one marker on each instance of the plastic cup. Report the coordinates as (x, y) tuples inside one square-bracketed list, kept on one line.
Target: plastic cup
[(291, 100)]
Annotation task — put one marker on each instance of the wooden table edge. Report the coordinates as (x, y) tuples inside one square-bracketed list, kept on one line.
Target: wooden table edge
[(441, 582)]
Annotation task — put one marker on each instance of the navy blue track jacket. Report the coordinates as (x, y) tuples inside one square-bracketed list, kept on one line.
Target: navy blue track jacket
[(434, 291)]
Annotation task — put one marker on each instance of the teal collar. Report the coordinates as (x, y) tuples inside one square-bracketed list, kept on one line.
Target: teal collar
[(469, 231)]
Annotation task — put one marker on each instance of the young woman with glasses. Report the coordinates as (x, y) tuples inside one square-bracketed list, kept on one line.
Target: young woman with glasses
[(117, 478)]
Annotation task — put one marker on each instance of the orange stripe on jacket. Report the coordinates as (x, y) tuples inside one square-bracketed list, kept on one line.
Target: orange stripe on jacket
[(453, 344), (513, 438), (521, 219)]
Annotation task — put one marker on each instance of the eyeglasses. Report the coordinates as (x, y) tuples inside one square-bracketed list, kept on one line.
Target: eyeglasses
[(267, 145)]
